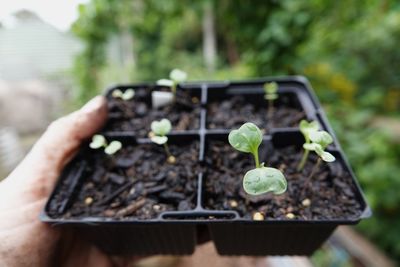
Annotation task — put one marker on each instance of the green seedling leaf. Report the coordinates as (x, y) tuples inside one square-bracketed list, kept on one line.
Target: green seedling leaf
[(307, 127), (271, 88), (178, 75), (159, 140), (113, 147), (311, 146), (165, 82), (161, 127), (271, 96), (325, 156), (263, 180), (128, 94), (117, 93), (98, 141), (158, 135), (246, 139), (322, 138)]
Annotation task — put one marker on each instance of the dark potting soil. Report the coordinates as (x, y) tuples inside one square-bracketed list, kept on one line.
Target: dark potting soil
[(136, 182), (232, 113), (136, 115), (330, 193)]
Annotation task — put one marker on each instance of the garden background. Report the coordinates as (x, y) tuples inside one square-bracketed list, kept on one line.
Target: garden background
[(347, 49)]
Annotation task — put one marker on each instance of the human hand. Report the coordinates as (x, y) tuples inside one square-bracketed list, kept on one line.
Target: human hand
[(24, 240)]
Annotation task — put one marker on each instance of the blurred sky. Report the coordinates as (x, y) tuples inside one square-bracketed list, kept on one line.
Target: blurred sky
[(59, 13)]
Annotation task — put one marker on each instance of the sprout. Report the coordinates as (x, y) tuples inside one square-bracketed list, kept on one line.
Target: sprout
[(247, 139), (178, 75), (270, 90), (113, 147), (319, 142), (322, 138), (159, 130), (261, 179), (99, 141), (306, 128), (127, 95), (175, 76)]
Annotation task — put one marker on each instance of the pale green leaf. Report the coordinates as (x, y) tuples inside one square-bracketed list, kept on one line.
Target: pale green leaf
[(328, 157), (165, 82), (321, 137), (161, 127), (117, 93), (312, 146), (128, 94), (307, 127), (98, 141), (178, 75), (325, 156), (318, 149), (159, 140), (271, 88), (246, 139), (271, 96), (113, 147), (263, 180)]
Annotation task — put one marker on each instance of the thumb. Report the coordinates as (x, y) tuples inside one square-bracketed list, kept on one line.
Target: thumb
[(63, 137), (38, 172)]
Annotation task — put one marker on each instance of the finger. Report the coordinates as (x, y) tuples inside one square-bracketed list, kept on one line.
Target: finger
[(25, 214), (37, 173), (64, 136), (27, 245)]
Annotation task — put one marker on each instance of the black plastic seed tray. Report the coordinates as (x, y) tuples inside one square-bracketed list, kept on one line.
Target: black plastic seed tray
[(178, 232)]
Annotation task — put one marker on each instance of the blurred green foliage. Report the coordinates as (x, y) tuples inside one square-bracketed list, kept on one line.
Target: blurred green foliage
[(348, 49), (374, 155)]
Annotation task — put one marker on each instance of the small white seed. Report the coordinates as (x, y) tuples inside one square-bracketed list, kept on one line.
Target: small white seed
[(88, 201), (290, 216), (151, 134), (258, 216), (306, 202), (233, 203), (171, 159)]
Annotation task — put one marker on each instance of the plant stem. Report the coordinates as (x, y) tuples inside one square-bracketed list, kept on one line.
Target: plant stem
[(314, 169), (270, 108), (257, 161), (303, 160), (173, 89), (167, 150)]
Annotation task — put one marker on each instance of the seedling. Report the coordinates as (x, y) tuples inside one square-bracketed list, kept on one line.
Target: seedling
[(127, 95), (99, 141), (306, 128), (159, 130), (319, 142), (176, 76), (271, 93), (261, 179)]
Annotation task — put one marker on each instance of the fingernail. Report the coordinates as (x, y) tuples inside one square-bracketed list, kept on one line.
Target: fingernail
[(93, 105)]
